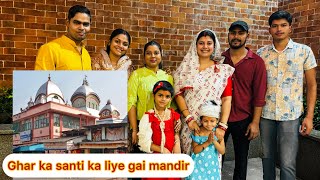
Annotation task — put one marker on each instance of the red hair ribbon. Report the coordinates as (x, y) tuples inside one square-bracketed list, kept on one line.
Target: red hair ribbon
[(159, 86)]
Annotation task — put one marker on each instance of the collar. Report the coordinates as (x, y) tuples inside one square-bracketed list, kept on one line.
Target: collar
[(289, 46), (155, 73), (71, 42), (248, 56)]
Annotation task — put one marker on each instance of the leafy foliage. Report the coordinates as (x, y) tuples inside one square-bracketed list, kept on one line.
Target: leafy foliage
[(5, 105)]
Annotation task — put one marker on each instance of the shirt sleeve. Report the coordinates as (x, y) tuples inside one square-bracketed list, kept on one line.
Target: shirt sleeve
[(133, 84), (45, 59), (310, 61), (259, 83), (145, 134), (228, 90)]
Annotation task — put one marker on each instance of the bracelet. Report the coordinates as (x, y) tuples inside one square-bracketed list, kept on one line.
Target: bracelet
[(134, 130), (189, 118), (221, 127)]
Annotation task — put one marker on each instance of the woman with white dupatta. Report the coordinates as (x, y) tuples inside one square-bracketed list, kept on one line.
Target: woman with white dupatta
[(202, 77)]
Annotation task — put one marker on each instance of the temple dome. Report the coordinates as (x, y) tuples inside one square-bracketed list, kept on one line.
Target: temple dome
[(86, 99), (49, 91), (84, 90), (109, 111)]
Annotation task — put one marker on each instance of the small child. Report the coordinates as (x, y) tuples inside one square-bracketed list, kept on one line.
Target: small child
[(206, 147), (159, 127)]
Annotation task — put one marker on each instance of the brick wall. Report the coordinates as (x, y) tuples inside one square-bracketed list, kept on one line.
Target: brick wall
[(26, 24), (306, 25)]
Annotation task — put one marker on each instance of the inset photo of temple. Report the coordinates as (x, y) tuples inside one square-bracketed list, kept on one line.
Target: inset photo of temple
[(70, 112)]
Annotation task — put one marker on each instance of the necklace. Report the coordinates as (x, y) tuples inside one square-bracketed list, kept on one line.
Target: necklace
[(162, 127)]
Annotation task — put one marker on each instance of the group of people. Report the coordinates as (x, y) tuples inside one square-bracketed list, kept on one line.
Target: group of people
[(211, 95)]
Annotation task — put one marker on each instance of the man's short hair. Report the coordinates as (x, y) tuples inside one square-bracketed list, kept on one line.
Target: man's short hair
[(280, 15), (78, 9)]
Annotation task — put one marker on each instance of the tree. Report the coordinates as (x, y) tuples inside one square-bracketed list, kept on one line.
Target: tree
[(5, 105)]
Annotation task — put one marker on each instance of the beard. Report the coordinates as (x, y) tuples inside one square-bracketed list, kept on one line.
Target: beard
[(237, 46)]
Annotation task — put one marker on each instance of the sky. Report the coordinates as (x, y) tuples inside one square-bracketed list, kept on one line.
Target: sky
[(107, 84)]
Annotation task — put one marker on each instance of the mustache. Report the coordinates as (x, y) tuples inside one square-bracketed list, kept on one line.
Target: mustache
[(233, 40)]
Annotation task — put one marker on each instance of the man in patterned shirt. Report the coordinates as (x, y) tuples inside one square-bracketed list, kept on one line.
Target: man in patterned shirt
[(286, 62)]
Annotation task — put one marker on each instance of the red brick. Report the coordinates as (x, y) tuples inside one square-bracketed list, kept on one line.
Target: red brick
[(55, 27), (30, 64), (46, 7), (11, 10), (34, 26), (112, 7), (147, 11), (36, 39), (97, 30), (13, 64), (48, 20), (32, 52), (6, 44), (24, 58), (25, 45), (179, 3), (186, 10), (7, 77), (123, 3), (8, 57), (24, 18), (6, 17), (14, 37), (14, 51), (96, 43), (171, 8), (7, 3), (6, 70), (156, 6), (155, 18), (105, 1), (56, 2), (24, 4), (43, 33), (8, 30)]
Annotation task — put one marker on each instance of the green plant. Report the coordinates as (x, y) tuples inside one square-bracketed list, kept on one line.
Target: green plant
[(5, 105)]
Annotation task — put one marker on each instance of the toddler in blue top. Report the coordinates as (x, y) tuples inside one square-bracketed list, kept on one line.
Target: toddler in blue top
[(205, 145)]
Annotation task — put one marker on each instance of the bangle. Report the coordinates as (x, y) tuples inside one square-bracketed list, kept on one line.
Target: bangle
[(134, 130), (221, 127), (189, 118)]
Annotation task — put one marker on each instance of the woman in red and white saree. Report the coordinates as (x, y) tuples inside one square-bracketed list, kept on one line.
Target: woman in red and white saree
[(202, 77)]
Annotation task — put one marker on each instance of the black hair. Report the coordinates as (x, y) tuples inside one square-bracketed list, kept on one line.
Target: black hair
[(115, 33), (153, 43), (163, 85), (206, 33), (78, 9), (280, 15)]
